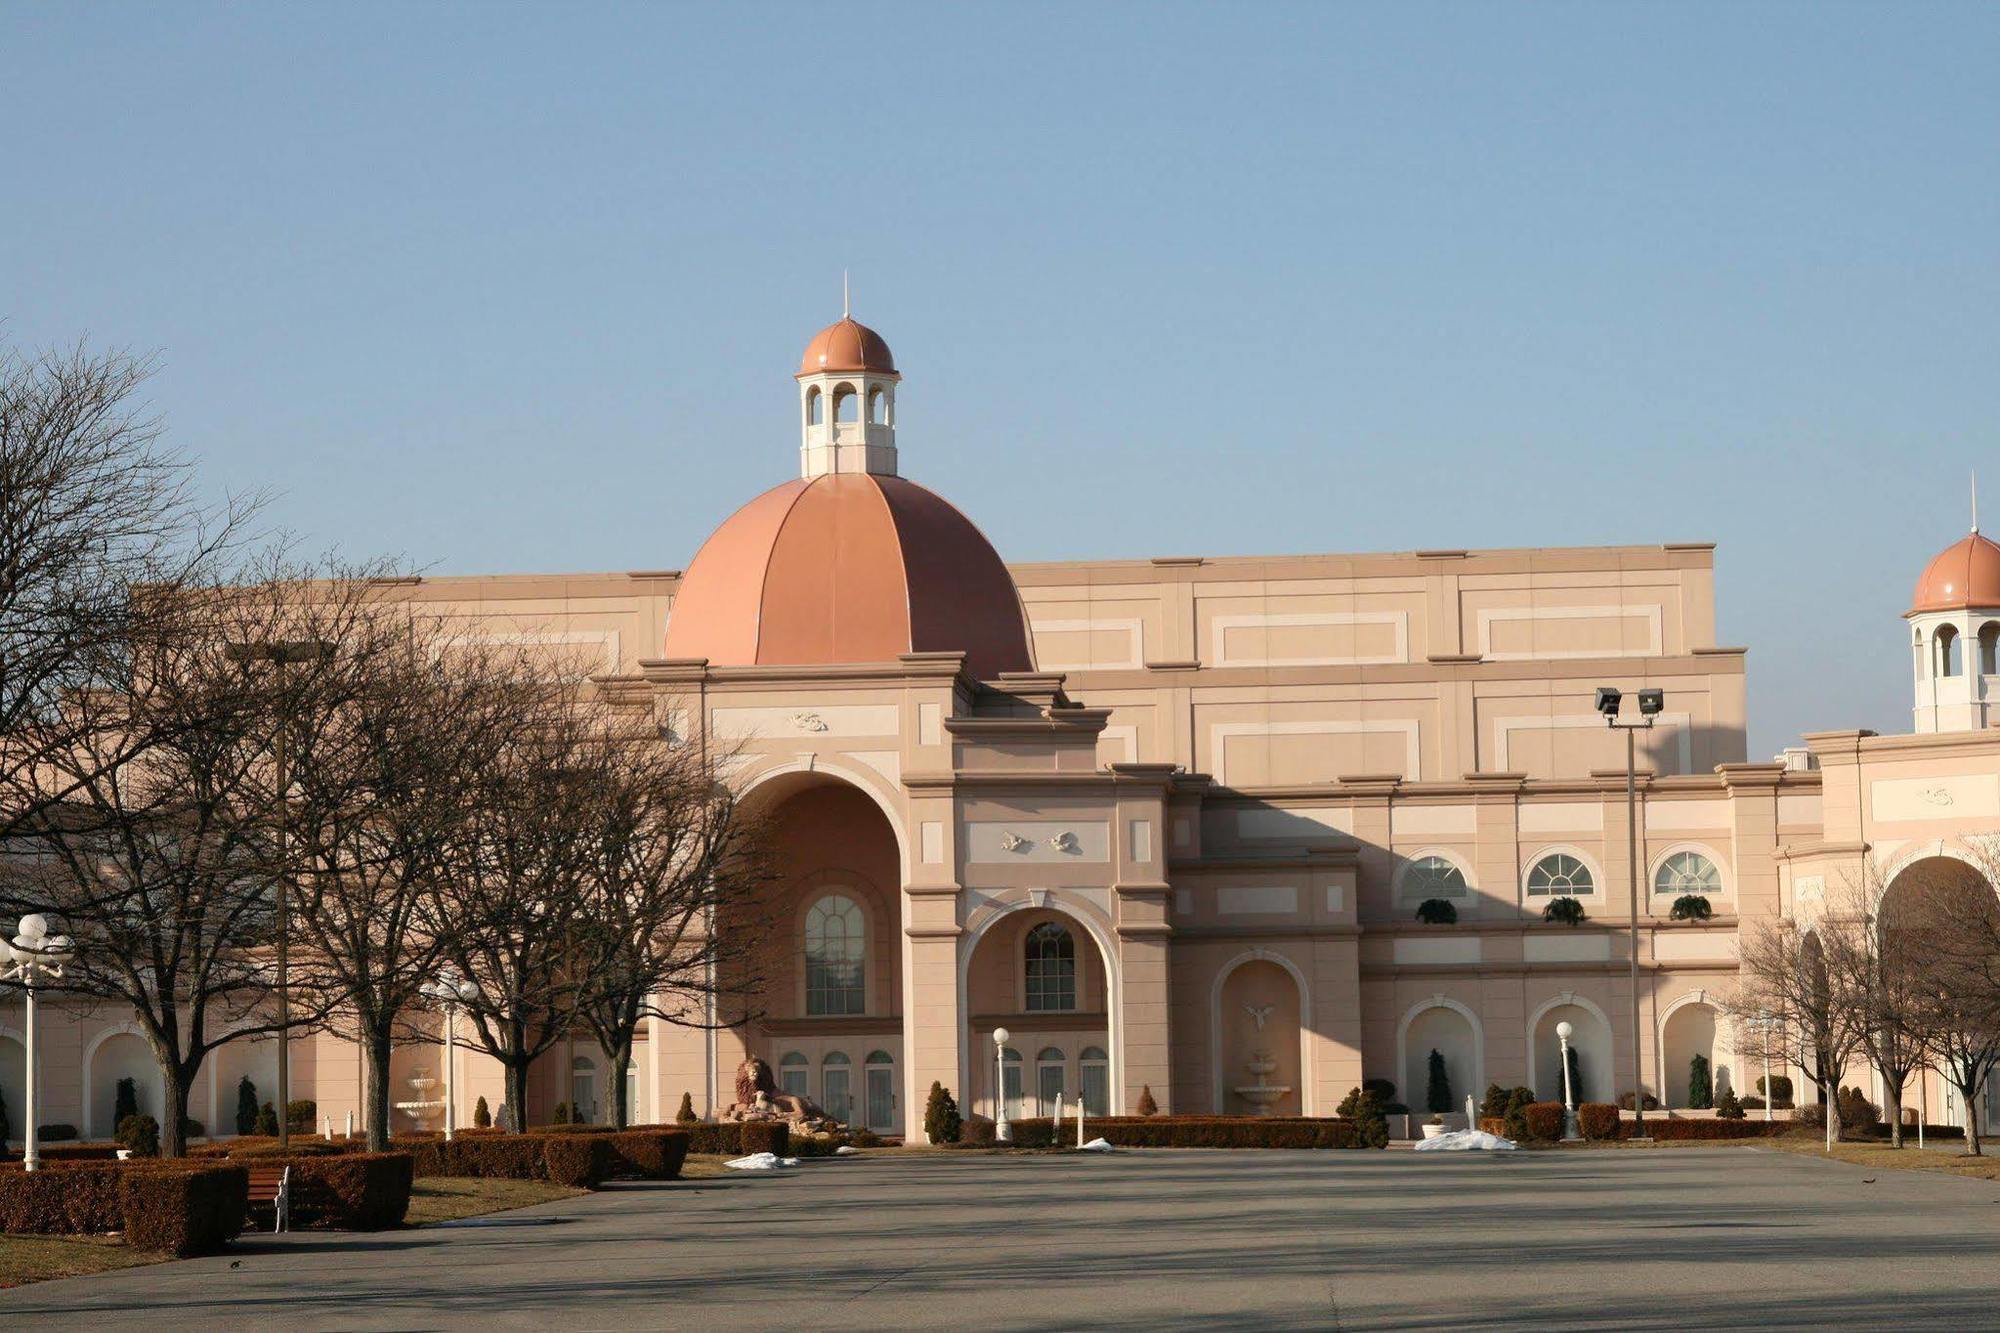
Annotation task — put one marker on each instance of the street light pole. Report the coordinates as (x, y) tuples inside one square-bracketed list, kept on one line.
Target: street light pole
[(281, 653), (1563, 1030), (450, 991), (1651, 701), (34, 958)]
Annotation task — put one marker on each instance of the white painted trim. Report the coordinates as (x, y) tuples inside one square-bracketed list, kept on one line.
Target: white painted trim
[(1505, 727), (1306, 1098), (1404, 860), (1219, 627), (1487, 617), (1134, 627), (1590, 863), (1220, 733), (1440, 1001), (1728, 889)]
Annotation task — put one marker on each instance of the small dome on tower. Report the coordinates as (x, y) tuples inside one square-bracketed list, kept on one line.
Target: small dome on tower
[(1964, 574), (847, 347)]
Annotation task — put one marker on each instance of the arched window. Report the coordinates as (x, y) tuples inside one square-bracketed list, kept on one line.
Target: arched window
[(836, 957), (1947, 651), (1093, 1069), (1559, 875), (878, 407), (1051, 969), (846, 404), (1051, 1079), (815, 406), (795, 1074), (1433, 877), (836, 1086), (1989, 648), (1687, 872), (583, 1090)]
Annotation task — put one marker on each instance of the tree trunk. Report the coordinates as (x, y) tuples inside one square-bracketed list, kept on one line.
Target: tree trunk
[(175, 1084), (621, 1056), (517, 1094), (375, 1052), (1895, 1091), (1971, 1121)]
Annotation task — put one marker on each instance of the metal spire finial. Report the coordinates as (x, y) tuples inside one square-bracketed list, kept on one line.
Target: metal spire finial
[(1975, 501), (844, 311)]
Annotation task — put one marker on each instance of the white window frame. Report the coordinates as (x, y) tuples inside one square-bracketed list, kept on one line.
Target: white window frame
[(1542, 854), (1723, 887), (1408, 894)]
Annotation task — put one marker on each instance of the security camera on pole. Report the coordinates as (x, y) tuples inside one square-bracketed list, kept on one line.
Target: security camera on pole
[(1651, 701), (34, 959)]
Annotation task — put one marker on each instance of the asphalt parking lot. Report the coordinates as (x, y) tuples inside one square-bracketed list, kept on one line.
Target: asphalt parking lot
[(1670, 1238)]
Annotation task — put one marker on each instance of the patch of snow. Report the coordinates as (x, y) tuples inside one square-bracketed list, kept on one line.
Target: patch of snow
[(1465, 1140), (846, 1150), (761, 1161), (1097, 1145)]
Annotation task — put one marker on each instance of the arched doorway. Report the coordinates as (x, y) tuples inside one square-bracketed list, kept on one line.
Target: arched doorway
[(812, 965), (1692, 1028), (113, 1057), (1936, 920), (1447, 1028), (1041, 974), (1590, 1037)]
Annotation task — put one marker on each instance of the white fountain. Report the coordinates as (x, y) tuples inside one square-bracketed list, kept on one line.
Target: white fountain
[(425, 1107), (1263, 1094)]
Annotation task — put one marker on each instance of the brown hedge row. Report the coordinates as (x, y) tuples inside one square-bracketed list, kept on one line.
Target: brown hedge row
[(348, 1191), (582, 1161), (651, 1154), (772, 1136), (1545, 1121), (184, 1211), (1660, 1128), (167, 1206), (1598, 1120)]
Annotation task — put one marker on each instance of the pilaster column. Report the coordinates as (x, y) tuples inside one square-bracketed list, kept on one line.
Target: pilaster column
[(934, 1031)]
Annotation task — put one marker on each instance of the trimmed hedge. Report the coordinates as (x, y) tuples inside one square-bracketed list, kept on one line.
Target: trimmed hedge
[(583, 1161), (1598, 1120), (180, 1210), (652, 1154), (1178, 1132), (184, 1211), (351, 1191), (772, 1136), (1544, 1121)]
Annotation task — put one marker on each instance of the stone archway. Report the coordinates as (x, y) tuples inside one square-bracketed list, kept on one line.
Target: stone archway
[(118, 1053), (1692, 1026), (1259, 1021), (1591, 1037), (1452, 1030), (1010, 975)]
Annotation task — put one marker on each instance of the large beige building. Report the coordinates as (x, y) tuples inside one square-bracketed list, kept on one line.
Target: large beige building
[(1169, 821)]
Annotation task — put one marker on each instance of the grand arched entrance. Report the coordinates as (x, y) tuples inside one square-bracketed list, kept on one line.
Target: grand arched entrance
[(1039, 973), (1939, 918), (816, 954)]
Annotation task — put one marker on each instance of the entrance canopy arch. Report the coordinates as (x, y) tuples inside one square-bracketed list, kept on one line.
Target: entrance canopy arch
[(1040, 966)]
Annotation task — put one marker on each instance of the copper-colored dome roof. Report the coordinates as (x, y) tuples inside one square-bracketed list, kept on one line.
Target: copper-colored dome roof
[(849, 567), (1966, 573), (847, 346)]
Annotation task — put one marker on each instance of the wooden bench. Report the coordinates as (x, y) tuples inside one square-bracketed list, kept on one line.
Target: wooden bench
[(272, 1185)]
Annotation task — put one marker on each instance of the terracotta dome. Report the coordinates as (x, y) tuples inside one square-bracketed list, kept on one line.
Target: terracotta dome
[(847, 346), (849, 567), (1966, 573)]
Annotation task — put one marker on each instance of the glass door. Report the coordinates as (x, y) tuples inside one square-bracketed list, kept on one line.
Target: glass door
[(881, 1088)]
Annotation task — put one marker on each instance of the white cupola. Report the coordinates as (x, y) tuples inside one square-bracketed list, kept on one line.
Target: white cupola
[(847, 402), (1954, 623)]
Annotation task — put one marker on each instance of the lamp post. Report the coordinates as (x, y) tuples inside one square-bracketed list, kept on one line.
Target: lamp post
[(1651, 701), (282, 653), (1765, 1022), (1002, 1131), (33, 959), (1563, 1031), (450, 990)]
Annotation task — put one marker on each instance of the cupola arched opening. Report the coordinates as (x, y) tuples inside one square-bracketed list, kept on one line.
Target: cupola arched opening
[(878, 406), (815, 406), (846, 404), (1989, 648), (1947, 650)]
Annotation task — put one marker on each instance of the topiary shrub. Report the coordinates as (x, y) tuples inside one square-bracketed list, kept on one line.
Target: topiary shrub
[(140, 1133), (246, 1106), (1597, 1120), (1856, 1111), (686, 1115), (1727, 1107), (652, 1154), (1437, 1089), (482, 1115), (1779, 1092), (1147, 1106), (772, 1136), (561, 1116), (267, 1120), (1564, 911), (1437, 912), (1543, 1121), (183, 1211), (301, 1116), (124, 1101), (1494, 1105), (1625, 1102), (1515, 1120), (1701, 1087), (1362, 1106), (942, 1122), (1690, 907)]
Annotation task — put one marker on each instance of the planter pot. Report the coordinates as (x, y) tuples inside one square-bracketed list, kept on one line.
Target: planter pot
[(124, 1154), (1433, 1131)]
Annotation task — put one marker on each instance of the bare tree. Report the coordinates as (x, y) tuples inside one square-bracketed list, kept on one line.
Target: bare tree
[(1953, 907), (667, 845), (93, 510), (1788, 1006), (1878, 947), (149, 835)]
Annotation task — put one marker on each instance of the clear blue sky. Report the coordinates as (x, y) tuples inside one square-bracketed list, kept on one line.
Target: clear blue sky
[(504, 288)]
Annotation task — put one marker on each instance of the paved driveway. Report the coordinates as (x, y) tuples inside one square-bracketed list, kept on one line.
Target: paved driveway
[(1674, 1238)]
